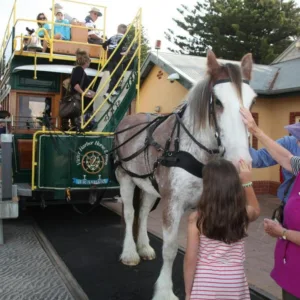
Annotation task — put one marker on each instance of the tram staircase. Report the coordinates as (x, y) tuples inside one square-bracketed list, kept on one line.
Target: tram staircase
[(108, 118)]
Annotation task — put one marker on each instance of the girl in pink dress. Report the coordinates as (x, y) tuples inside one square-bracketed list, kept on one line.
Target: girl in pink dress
[(214, 258)]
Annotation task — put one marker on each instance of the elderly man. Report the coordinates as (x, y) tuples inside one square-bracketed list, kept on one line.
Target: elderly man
[(94, 35), (261, 159)]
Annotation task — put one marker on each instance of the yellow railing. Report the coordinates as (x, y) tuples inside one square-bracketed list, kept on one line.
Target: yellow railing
[(44, 131), (137, 22), (8, 30), (12, 23)]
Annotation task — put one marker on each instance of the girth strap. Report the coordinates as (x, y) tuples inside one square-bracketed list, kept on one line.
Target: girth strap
[(182, 160)]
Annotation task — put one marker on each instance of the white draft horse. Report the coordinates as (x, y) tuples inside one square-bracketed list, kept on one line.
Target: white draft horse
[(210, 115)]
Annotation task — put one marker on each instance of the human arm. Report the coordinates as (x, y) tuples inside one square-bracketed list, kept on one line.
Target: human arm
[(94, 35), (253, 208), (190, 257), (276, 230), (106, 43), (261, 158), (280, 154)]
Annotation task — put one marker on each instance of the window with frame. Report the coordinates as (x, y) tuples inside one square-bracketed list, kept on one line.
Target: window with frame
[(294, 117), (31, 109)]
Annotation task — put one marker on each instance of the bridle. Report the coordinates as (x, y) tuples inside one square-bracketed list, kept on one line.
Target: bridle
[(212, 115)]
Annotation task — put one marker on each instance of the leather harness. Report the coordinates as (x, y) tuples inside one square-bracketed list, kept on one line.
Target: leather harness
[(175, 158)]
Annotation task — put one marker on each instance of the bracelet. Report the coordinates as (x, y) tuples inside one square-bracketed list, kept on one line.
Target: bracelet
[(248, 184)]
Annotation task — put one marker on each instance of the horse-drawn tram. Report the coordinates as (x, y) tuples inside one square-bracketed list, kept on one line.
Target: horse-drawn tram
[(52, 159)]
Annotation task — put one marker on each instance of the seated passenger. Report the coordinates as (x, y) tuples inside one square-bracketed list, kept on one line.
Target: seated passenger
[(27, 38), (94, 35), (41, 33), (61, 32)]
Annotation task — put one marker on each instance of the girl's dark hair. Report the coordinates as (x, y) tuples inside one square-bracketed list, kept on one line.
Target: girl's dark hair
[(38, 18), (222, 206), (82, 57)]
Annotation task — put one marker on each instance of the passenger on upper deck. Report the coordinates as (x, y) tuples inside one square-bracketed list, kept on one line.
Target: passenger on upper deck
[(94, 35), (61, 32), (46, 26), (58, 6), (42, 33)]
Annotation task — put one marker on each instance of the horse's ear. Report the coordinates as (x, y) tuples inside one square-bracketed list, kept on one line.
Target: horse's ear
[(246, 65), (212, 63)]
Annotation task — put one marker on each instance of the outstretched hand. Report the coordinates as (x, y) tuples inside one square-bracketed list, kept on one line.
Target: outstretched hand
[(245, 172), (273, 228), (248, 120)]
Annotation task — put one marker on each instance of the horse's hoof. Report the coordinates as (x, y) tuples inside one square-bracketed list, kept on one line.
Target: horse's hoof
[(130, 260), (146, 252), (129, 263)]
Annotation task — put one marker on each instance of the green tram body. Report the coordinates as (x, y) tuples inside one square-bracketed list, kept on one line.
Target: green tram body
[(64, 162), (51, 166)]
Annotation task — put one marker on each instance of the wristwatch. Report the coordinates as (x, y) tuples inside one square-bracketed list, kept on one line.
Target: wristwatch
[(284, 234)]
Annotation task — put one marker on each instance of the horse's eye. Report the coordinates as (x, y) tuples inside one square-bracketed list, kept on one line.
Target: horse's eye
[(219, 103)]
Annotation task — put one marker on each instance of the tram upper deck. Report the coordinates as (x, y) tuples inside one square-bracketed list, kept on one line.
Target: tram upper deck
[(17, 37)]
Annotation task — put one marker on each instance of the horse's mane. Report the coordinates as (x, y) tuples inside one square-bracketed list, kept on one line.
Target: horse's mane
[(199, 96)]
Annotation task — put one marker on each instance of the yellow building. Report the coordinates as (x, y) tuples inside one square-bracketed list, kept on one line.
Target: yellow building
[(167, 77)]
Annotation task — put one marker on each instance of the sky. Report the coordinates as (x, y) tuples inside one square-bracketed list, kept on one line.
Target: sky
[(156, 14)]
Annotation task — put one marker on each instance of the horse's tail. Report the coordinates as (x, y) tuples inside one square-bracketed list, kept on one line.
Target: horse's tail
[(137, 201)]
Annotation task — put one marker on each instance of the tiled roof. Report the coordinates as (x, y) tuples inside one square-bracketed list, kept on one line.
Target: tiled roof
[(266, 79), (290, 53)]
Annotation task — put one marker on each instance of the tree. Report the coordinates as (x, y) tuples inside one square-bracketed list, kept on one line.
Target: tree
[(145, 43), (234, 27)]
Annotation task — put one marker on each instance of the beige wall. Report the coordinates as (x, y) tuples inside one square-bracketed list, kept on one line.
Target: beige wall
[(273, 113), (160, 92), (263, 108)]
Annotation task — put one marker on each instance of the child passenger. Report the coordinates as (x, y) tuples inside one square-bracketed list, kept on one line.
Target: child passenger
[(61, 32), (213, 263)]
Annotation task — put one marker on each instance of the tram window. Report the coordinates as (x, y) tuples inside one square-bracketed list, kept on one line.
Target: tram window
[(31, 109)]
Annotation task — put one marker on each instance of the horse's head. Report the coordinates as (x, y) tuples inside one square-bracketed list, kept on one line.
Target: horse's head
[(230, 91), (222, 94)]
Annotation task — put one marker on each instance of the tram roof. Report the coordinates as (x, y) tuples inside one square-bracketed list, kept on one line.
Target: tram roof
[(266, 79), (66, 69)]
